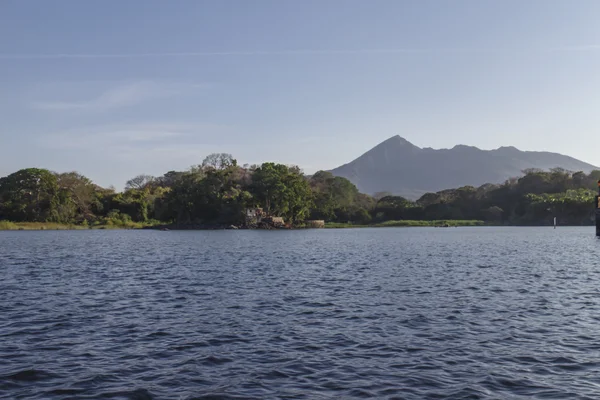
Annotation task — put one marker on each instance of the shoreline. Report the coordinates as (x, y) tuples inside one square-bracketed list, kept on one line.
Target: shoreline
[(51, 226), (40, 226), (447, 223), (54, 226)]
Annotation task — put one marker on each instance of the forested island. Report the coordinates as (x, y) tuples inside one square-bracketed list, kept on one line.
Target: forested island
[(219, 193)]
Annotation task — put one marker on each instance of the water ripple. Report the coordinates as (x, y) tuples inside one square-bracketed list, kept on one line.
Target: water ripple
[(473, 313)]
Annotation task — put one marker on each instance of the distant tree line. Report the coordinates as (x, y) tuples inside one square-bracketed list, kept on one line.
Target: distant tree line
[(219, 192), (533, 199)]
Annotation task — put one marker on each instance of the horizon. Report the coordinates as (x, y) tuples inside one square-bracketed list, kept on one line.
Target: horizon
[(120, 90)]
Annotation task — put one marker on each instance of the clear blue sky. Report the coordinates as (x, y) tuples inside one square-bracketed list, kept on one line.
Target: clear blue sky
[(114, 88)]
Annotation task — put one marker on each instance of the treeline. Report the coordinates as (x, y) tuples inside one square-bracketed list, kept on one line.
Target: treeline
[(533, 199), (219, 191), (216, 192)]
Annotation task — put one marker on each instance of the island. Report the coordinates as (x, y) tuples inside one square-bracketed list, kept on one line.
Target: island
[(220, 194)]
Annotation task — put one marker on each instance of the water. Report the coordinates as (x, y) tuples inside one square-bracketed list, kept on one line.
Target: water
[(459, 313)]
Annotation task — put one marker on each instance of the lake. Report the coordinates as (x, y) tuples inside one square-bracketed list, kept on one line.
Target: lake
[(454, 313)]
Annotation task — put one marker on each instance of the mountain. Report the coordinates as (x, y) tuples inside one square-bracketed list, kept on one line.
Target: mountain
[(399, 167)]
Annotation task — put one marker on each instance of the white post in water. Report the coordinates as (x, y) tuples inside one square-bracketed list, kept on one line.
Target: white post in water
[(554, 222)]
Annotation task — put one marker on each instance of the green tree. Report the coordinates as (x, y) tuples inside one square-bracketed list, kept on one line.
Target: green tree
[(29, 195), (282, 191), (77, 198), (493, 214), (338, 199), (396, 208), (211, 194)]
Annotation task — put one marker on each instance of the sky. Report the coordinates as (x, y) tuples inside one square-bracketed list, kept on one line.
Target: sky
[(113, 89)]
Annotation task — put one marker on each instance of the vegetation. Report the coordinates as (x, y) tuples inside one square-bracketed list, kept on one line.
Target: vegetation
[(54, 226), (407, 223), (215, 193), (219, 191)]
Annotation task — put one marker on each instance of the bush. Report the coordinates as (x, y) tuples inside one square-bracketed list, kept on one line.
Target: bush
[(361, 216), (8, 226)]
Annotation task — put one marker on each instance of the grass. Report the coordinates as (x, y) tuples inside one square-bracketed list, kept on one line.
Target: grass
[(36, 226), (342, 225), (406, 223), (7, 226), (40, 226), (447, 222)]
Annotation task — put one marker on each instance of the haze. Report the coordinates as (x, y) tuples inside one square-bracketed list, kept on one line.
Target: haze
[(114, 89)]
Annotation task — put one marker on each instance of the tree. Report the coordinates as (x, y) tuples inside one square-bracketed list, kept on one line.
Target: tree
[(298, 196), (169, 179), (380, 195), (338, 199), (493, 214), (579, 179), (396, 208), (282, 191), (267, 186), (29, 195), (77, 196), (139, 182), (219, 161), (208, 195), (570, 207), (594, 176)]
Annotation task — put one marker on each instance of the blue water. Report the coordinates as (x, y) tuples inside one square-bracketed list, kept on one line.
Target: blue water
[(418, 313)]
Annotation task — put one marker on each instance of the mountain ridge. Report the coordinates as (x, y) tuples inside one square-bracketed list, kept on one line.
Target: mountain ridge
[(398, 166)]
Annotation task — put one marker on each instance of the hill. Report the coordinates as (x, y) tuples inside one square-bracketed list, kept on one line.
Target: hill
[(399, 167)]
